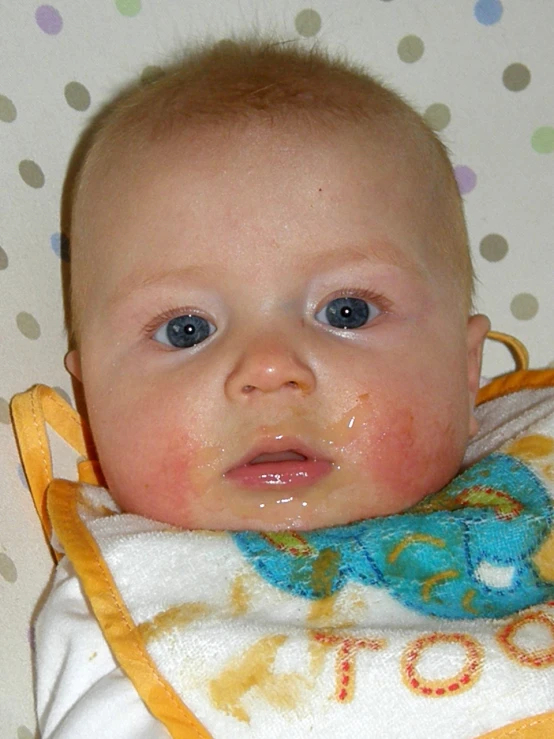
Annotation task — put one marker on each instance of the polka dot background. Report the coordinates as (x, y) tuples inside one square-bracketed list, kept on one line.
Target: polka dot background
[(480, 72)]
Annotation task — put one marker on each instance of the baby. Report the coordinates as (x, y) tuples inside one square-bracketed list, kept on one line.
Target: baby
[(271, 286), (271, 292)]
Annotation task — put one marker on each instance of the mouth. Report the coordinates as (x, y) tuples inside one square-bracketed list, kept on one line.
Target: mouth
[(281, 463), (282, 449), (286, 456)]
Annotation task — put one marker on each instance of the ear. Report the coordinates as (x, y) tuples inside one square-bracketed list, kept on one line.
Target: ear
[(72, 363), (478, 327)]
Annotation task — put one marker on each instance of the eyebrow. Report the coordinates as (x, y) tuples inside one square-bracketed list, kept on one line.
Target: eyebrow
[(130, 285), (374, 253), (378, 252)]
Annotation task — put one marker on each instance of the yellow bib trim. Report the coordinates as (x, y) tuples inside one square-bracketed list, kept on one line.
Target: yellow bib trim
[(515, 381), (115, 621), (540, 726)]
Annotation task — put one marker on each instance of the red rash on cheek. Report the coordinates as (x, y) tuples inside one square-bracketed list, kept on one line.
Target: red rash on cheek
[(150, 473), (413, 456), (174, 488)]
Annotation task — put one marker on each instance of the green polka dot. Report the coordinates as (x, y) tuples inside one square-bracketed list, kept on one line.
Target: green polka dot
[(516, 77), (308, 22), (31, 173), (542, 140), (4, 411), (28, 325), (77, 96), (4, 261), (493, 247), (410, 49), (524, 306), (8, 570), (128, 7), (151, 74), (437, 116), (8, 112)]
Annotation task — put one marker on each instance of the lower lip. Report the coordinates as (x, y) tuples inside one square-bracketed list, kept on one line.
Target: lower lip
[(290, 475)]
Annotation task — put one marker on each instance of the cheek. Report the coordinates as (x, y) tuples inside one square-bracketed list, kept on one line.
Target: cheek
[(148, 461), (412, 454)]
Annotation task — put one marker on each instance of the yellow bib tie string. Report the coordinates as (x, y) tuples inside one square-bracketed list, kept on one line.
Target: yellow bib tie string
[(31, 412)]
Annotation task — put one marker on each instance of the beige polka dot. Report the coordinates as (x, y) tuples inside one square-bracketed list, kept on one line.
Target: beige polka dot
[(437, 116), (8, 112), (493, 247), (308, 22), (8, 570), (77, 96), (516, 77), (151, 74), (31, 173), (28, 325), (524, 306), (24, 733), (226, 43), (4, 411), (410, 49), (3, 259)]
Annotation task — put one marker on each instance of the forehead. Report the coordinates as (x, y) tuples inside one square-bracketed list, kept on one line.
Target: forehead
[(252, 192), (221, 162)]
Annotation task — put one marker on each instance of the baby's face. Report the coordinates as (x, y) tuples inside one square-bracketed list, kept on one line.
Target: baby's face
[(269, 342)]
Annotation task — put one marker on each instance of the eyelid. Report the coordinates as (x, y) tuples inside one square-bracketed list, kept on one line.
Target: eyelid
[(166, 315), (380, 301), (384, 304)]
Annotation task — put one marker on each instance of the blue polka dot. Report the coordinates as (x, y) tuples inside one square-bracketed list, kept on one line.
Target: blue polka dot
[(21, 475), (488, 12), (60, 246)]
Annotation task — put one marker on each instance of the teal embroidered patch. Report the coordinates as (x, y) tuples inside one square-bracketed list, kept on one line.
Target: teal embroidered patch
[(464, 552)]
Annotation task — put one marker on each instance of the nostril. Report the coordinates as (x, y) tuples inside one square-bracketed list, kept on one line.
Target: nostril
[(248, 388)]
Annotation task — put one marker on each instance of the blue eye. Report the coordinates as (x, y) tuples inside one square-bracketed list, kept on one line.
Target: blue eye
[(346, 312), (184, 332)]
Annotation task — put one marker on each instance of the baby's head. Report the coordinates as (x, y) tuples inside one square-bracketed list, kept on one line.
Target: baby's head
[(271, 293)]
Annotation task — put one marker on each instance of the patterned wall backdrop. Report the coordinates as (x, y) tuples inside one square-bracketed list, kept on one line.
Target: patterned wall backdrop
[(480, 72)]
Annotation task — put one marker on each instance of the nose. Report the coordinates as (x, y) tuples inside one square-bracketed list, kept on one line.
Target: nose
[(269, 366)]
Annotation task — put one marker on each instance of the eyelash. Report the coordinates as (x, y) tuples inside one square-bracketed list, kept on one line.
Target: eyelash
[(383, 303), (165, 316)]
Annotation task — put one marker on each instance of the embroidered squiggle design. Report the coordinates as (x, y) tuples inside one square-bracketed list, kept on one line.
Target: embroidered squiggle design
[(471, 550)]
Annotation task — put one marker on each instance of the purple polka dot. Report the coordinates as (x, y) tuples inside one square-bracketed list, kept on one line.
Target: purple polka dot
[(466, 179), (48, 19)]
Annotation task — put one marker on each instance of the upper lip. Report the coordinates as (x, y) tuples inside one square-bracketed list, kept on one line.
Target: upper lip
[(284, 444)]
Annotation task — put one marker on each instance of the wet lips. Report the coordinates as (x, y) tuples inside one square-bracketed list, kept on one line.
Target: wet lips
[(283, 469)]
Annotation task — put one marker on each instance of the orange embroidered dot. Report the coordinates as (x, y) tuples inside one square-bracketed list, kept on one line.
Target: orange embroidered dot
[(537, 658), (463, 680)]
